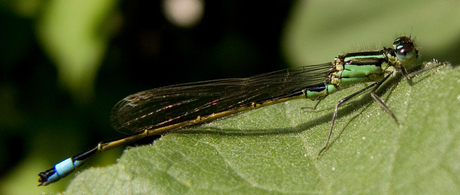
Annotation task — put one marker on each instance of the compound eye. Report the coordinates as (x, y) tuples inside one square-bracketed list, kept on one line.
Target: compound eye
[(403, 45), (405, 50)]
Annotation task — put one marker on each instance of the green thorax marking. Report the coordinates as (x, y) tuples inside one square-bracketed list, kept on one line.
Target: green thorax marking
[(354, 68)]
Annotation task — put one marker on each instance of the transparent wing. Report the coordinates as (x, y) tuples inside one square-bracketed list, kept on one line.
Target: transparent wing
[(177, 103)]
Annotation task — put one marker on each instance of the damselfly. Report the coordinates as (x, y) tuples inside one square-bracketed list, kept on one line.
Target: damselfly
[(164, 109)]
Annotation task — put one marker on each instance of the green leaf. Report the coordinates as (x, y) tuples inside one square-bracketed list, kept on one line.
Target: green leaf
[(273, 150)]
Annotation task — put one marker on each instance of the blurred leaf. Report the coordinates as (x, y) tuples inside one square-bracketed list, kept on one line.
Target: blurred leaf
[(75, 36), (273, 150), (317, 29)]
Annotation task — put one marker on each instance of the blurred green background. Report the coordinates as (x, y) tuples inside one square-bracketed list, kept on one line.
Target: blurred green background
[(64, 64)]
